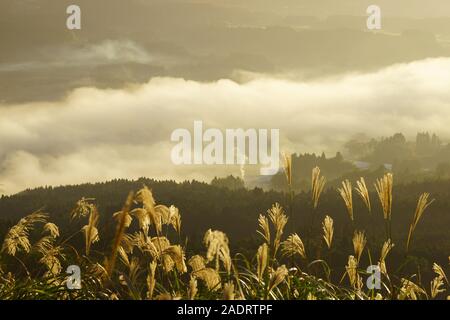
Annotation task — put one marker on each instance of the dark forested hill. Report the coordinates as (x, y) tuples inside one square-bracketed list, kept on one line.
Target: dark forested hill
[(236, 212)]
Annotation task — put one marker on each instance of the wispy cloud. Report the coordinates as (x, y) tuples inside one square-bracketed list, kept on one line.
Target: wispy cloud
[(104, 53)]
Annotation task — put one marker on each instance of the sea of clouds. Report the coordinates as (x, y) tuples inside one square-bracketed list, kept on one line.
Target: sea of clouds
[(97, 134)]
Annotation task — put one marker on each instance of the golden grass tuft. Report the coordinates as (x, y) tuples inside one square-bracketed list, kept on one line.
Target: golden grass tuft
[(383, 187), (263, 222), (196, 263), (293, 246), (317, 186), (176, 253), (82, 208), (436, 286), (50, 254), (422, 205), (361, 189), (359, 243), (151, 280), (52, 229), (437, 283), (277, 277), (145, 197), (261, 258), (385, 249), (440, 272), (210, 277), (347, 196), (328, 231), (90, 230), (287, 166), (410, 290), (352, 273), (17, 238), (120, 232), (228, 291), (279, 220), (175, 219), (218, 250), (193, 288), (142, 216)]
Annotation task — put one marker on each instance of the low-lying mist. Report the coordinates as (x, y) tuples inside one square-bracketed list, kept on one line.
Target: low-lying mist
[(98, 134)]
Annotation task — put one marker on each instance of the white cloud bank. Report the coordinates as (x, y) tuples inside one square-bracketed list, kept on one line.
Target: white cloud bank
[(95, 135)]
